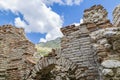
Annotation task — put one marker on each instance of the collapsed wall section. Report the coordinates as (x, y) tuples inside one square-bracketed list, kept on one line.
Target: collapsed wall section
[(17, 52)]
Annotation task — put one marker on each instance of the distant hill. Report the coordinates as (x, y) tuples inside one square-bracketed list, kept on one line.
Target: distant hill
[(43, 48), (50, 44)]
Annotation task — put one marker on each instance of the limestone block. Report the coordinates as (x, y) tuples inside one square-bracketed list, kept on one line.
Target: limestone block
[(118, 72), (108, 72), (116, 45), (58, 78), (109, 33), (111, 64), (107, 46), (102, 54), (97, 34), (102, 41), (98, 47)]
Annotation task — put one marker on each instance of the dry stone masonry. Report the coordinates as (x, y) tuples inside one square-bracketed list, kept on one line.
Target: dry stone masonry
[(96, 18), (105, 41), (116, 16), (15, 53), (95, 14), (89, 51), (76, 46)]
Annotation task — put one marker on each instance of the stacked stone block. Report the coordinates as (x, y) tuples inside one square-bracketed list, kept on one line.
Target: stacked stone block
[(43, 67), (104, 41), (2, 67), (95, 18), (15, 53), (116, 16), (103, 49), (95, 14), (76, 47)]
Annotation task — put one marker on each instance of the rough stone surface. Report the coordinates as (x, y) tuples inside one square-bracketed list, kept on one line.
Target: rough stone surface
[(108, 72), (111, 64), (76, 46), (15, 53), (116, 16), (96, 13), (83, 49)]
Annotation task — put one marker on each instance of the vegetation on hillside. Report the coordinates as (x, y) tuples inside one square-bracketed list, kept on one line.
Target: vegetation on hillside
[(50, 44), (43, 48)]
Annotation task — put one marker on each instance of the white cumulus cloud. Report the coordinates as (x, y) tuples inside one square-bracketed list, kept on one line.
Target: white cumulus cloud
[(19, 22), (81, 21), (77, 24), (50, 2), (63, 2), (40, 18)]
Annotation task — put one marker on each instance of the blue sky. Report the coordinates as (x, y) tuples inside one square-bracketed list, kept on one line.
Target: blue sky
[(42, 19)]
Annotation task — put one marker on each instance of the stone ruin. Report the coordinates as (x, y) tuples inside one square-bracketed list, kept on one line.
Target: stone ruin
[(89, 51), (15, 53), (116, 16)]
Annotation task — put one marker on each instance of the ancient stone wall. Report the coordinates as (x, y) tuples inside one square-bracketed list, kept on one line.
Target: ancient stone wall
[(76, 46), (104, 48), (97, 31), (95, 18), (95, 14), (89, 51), (116, 16), (16, 53)]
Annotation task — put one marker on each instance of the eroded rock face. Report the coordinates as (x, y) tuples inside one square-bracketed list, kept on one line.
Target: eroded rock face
[(16, 53)]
